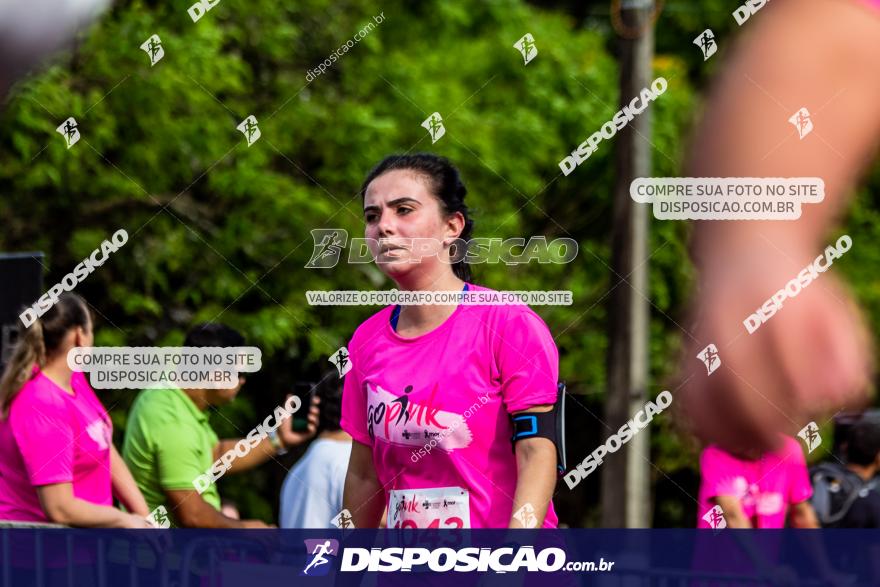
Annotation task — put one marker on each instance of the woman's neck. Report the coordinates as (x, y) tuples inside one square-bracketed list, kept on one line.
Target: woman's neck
[(442, 280), (417, 319)]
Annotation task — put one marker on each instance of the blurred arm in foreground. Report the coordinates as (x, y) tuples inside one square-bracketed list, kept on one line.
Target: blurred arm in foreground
[(813, 355)]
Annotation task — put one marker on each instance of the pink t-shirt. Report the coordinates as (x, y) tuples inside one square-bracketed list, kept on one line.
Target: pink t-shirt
[(436, 411), (765, 487), (53, 437)]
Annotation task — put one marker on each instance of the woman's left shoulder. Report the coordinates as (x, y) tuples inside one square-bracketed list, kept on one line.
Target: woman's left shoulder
[(504, 317)]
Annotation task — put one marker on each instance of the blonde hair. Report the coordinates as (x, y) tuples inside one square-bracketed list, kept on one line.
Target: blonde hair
[(38, 341)]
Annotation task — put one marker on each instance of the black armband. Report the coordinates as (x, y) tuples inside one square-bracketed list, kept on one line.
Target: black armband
[(549, 425)]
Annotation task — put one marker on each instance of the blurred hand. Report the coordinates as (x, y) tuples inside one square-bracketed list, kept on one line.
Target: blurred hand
[(810, 358), (135, 521), (291, 438)]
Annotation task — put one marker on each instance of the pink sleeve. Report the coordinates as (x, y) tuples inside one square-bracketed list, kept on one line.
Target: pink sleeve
[(44, 434), (800, 489), (528, 361), (354, 400), (82, 386)]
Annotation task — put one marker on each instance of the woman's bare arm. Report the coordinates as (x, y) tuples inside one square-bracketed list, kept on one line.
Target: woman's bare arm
[(364, 497)]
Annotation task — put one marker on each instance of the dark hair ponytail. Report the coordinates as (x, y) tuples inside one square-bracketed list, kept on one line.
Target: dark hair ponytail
[(445, 184), (39, 341)]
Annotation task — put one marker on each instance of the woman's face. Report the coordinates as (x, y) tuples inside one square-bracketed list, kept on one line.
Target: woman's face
[(406, 224)]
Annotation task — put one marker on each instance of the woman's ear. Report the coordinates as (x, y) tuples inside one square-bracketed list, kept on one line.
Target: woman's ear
[(80, 337), (454, 224)]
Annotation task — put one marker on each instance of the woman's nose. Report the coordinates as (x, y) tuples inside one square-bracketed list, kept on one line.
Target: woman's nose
[(386, 223)]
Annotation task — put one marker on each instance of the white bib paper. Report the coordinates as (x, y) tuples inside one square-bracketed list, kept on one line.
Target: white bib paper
[(436, 507)]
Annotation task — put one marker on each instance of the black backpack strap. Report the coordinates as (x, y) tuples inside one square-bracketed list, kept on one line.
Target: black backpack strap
[(849, 481)]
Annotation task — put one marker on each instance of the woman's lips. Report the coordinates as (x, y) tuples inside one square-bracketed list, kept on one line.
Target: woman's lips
[(390, 249)]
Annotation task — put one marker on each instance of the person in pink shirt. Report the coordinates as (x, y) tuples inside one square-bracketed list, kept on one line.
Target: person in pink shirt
[(432, 388), (758, 491), (57, 459)]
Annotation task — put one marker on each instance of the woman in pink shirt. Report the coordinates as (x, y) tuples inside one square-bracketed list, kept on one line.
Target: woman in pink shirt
[(57, 459), (755, 491), (432, 388)]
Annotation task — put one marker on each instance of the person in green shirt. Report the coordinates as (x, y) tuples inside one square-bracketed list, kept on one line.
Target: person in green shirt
[(169, 443)]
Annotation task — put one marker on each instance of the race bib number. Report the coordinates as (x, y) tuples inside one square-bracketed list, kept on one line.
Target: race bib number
[(437, 507)]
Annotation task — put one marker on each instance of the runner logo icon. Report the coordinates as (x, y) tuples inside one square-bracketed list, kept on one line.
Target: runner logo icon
[(251, 131), (802, 122), (153, 48), (526, 46), (706, 43), (810, 435), (710, 358), (329, 243), (321, 553), (69, 130), (434, 125), (715, 518)]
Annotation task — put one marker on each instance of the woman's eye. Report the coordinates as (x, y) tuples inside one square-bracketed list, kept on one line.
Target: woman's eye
[(404, 210), (369, 217)]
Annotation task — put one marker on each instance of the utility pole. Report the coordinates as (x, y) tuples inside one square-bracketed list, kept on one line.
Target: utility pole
[(626, 495)]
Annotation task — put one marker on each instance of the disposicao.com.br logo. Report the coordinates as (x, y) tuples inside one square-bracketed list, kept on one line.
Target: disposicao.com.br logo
[(505, 559), (329, 244)]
